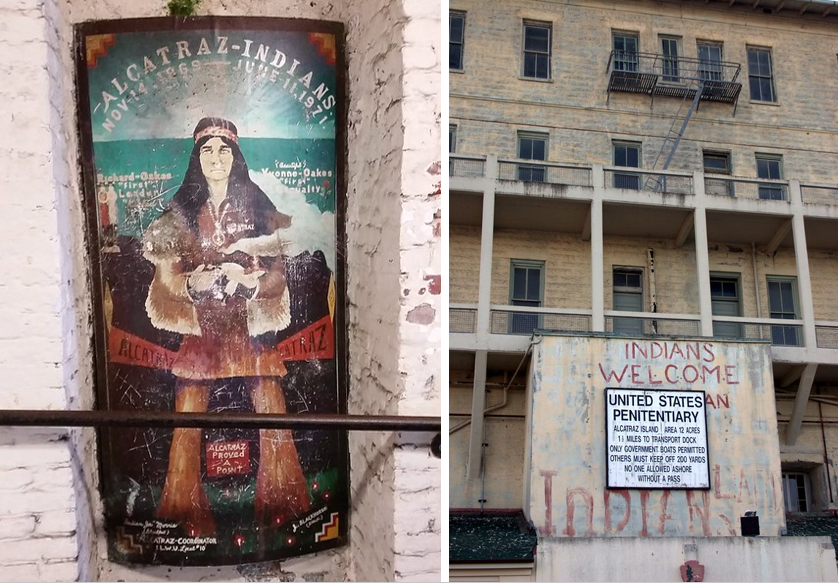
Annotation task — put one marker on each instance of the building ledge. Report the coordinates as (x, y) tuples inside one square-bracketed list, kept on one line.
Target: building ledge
[(491, 536)]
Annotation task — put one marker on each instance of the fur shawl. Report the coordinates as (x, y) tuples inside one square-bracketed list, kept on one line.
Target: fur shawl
[(167, 242)]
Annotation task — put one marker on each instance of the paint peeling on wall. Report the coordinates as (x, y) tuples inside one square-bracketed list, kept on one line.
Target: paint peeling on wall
[(568, 495)]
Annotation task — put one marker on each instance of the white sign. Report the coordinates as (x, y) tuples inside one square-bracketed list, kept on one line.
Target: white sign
[(656, 439)]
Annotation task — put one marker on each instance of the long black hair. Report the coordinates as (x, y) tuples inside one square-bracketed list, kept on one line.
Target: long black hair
[(244, 195)]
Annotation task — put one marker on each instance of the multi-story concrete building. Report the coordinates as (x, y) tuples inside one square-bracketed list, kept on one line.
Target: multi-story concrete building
[(629, 178)]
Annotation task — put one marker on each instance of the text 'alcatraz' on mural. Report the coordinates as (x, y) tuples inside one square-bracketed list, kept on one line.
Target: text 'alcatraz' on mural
[(257, 60)]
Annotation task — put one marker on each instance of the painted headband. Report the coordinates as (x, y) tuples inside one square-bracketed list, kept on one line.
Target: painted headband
[(217, 131)]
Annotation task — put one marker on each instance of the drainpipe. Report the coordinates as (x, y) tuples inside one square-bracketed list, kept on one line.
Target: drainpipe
[(826, 461), (653, 303), (757, 289), (503, 402), (482, 500)]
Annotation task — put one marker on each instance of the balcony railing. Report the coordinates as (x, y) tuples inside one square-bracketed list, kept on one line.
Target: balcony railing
[(639, 179), (467, 166), (819, 194), (648, 180), (462, 319), (648, 324), (547, 172), (826, 335), (654, 74), (784, 333), (751, 188), (523, 321)]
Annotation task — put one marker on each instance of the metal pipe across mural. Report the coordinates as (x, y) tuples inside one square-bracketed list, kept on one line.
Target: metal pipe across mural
[(212, 151)]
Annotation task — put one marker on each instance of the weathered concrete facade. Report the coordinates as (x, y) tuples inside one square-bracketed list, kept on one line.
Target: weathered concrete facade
[(558, 242), (50, 516), (566, 493), (568, 278), (487, 98), (746, 559)]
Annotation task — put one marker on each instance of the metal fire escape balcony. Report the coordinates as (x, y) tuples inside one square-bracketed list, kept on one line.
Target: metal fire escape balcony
[(653, 74)]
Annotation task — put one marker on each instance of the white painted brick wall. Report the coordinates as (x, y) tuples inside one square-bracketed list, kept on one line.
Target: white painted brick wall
[(417, 512), (35, 464)]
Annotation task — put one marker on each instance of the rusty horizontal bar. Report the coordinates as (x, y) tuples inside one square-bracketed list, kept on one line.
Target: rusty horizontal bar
[(79, 418)]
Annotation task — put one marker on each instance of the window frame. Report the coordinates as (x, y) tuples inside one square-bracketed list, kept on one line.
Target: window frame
[(758, 75), (717, 154), (727, 186), (629, 326), (786, 474), (532, 172), (527, 264), (525, 52), (785, 333), (670, 65), (770, 191), (709, 69), (452, 138), (525, 324), (620, 61), (728, 277), (461, 43), (631, 289), (626, 180)]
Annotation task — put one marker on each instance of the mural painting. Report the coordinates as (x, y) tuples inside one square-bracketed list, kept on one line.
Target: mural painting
[(212, 150)]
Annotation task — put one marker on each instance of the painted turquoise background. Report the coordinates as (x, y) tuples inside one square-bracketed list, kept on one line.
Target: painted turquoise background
[(152, 131), (171, 106), (137, 210)]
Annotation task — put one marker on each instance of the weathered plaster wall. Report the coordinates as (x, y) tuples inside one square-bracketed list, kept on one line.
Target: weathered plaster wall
[(567, 496), (723, 559), (823, 278), (373, 257), (567, 259), (504, 461), (464, 263)]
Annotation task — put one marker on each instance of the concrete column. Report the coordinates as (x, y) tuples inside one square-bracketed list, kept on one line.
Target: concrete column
[(703, 275), (476, 435), (476, 429), (598, 320), (801, 397), (802, 265), (485, 269)]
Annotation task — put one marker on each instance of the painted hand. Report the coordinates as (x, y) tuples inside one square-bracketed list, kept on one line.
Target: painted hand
[(237, 273), (203, 279)]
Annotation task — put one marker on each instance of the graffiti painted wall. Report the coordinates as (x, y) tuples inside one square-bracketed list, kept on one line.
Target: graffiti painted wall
[(566, 490)]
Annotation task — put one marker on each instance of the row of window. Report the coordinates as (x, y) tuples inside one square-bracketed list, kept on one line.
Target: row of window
[(536, 56), (527, 289), (534, 146)]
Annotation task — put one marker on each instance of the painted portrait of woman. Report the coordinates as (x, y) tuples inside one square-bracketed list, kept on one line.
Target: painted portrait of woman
[(220, 280)]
